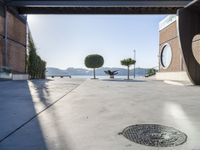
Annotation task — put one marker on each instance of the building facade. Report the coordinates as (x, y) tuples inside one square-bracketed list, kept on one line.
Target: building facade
[(171, 63), (12, 40)]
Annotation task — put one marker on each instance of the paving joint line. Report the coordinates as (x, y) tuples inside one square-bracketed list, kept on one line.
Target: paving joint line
[(37, 114)]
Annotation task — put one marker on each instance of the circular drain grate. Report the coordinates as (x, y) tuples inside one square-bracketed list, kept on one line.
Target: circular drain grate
[(154, 135)]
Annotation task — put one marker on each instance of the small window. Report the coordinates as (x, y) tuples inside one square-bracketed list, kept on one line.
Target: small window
[(166, 56)]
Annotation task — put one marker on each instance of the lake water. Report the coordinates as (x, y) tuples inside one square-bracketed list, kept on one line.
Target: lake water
[(104, 77)]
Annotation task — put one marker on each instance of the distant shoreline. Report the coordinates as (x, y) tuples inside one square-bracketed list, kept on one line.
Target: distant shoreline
[(100, 76), (99, 72)]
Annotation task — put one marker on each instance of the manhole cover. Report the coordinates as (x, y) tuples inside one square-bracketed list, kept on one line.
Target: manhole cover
[(154, 135)]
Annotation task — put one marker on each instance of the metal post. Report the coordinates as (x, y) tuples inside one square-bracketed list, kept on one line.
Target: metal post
[(134, 59)]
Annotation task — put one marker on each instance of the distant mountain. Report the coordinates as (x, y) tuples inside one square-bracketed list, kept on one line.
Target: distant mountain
[(54, 71), (100, 71)]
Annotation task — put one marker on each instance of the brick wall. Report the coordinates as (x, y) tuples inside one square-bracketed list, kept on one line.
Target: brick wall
[(1, 24), (16, 29), (16, 42), (1, 34), (169, 35), (1, 51), (16, 57)]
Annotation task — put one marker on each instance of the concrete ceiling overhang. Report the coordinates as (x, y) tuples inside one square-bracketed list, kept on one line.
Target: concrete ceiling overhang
[(97, 6), (194, 6)]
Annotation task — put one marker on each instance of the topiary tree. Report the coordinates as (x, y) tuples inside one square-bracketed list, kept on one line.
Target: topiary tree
[(128, 62), (94, 61)]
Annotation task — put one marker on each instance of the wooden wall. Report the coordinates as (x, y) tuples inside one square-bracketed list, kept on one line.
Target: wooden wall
[(189, 27)]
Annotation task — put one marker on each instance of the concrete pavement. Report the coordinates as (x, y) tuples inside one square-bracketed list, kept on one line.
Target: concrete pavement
[(95, 111), (23, 100)]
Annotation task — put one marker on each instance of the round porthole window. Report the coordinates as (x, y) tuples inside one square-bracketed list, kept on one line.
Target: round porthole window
[(166, 56), (196, 47)]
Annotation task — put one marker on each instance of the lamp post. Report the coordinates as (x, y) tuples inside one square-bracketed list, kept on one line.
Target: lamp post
[(135, 60)]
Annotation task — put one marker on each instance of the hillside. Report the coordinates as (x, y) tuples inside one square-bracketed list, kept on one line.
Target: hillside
[(85, 72)]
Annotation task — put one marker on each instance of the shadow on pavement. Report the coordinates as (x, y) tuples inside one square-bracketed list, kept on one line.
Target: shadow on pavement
[(21, 103), (16, 110), (123, 80)]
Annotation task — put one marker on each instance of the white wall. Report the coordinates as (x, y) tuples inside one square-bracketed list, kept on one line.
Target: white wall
[(176, 76), (20, 76)]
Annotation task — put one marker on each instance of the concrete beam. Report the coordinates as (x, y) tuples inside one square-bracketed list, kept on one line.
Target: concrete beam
[(98, 3), (96, 10), (97, 6)]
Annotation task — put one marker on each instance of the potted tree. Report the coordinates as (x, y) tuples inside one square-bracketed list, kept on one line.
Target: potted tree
[(94, 61), (111, 73)]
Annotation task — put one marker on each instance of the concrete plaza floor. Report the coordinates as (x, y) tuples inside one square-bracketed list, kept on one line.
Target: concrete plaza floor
[(77, 114)]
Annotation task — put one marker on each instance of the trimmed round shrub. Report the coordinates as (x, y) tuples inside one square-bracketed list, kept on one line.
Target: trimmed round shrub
[(94, 61)]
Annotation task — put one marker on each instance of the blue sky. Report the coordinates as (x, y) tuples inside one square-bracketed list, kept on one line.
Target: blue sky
[(65, 40)]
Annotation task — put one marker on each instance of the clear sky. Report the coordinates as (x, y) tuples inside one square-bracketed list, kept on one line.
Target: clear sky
[(65, 40)]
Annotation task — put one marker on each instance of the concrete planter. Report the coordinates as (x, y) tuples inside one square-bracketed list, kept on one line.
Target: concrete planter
[(4, 75), (111, 76), (20, 77)]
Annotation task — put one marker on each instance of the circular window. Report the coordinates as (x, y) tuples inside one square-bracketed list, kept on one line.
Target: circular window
[(196, 47), (166, 56)]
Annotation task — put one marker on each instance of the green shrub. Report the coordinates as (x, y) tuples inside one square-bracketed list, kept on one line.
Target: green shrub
[(36, 66), (94, 61)]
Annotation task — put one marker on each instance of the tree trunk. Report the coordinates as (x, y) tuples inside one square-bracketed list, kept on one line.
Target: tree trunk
[(128, 72), (94, 73)]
